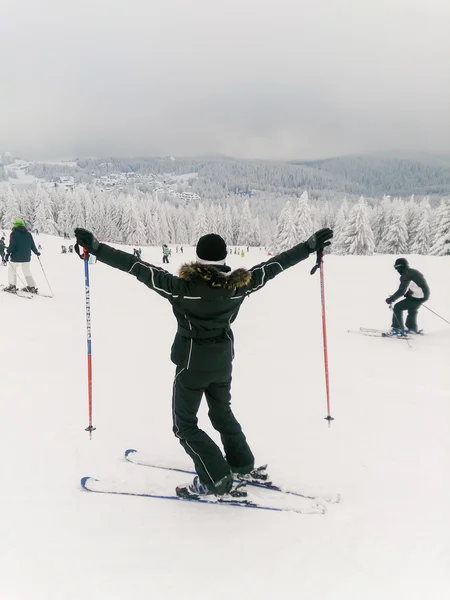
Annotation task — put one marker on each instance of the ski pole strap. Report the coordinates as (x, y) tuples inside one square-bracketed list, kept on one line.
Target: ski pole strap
[(318, 261), (83, 255)]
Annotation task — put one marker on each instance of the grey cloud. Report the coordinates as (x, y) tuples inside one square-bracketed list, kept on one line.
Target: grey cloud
[(283, 79)]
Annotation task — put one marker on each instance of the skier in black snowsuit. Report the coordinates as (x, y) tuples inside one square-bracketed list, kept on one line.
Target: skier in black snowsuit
[(206, 297), (414, 288)]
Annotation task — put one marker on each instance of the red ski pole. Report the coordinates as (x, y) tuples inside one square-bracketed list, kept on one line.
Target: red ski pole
[(85, 257), (319, 265)]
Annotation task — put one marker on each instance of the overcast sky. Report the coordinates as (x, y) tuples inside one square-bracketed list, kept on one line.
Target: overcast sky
[(249, 78)]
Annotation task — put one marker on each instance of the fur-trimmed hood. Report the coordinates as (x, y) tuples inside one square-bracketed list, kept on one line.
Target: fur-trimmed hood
[(215, 276)]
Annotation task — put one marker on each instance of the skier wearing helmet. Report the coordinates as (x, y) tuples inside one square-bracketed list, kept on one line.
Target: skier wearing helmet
[(415, 290)]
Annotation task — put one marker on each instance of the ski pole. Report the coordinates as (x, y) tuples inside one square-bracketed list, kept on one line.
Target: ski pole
[(434, 313), (319, 265), (51, 291), (85, 257)]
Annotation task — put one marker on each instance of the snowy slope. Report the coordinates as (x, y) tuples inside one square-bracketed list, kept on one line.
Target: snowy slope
[(387, 452)]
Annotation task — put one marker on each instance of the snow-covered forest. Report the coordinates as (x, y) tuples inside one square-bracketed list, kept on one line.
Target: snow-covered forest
[(392, 226)]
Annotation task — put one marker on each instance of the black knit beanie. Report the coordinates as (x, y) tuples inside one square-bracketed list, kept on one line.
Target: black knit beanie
[(211, 248)]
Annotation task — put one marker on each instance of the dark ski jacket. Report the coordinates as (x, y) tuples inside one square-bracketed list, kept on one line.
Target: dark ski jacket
[(205, 300), (412, 285), (21, 244), (2, 247)]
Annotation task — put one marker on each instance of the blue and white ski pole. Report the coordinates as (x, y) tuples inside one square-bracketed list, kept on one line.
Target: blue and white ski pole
[(85, 257)]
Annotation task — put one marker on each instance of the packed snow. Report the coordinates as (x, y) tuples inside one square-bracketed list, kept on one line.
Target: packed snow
[(387, 452)]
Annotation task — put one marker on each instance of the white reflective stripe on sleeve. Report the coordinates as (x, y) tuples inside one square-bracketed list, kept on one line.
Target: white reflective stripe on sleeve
[(153, 279), (264, 274)]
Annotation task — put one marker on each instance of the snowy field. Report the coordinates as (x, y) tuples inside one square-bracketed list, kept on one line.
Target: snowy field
[(387, 452)]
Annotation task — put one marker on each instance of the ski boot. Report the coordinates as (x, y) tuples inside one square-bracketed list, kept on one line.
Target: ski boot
[(197, 489), (30, 289), (396, 332), (414, 331), (258, 475), (11, 289)]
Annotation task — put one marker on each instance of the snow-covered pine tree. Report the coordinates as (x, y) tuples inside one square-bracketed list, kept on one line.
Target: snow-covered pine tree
[(44, 222), (227, 233), (441, 244), (421, 242), (381, 217), (12, 208), (201, 225), (302, 217), (358, 232), (395, 239), (338, 245), (286, 236), (133, 228), (412, 220)]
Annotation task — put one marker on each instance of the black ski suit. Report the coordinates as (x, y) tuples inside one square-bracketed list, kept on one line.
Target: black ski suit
[(205, 300), (416, 291)]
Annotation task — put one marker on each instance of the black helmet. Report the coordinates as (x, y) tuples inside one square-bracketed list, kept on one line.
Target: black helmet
[(400, 263)]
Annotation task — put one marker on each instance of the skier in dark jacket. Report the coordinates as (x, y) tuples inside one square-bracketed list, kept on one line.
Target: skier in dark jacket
[(21, 244), (414, 288), (206, 298)]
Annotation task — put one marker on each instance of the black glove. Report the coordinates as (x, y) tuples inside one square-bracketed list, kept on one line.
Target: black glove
[(318, 240), (38, 253), (87, 240), (389, 300)]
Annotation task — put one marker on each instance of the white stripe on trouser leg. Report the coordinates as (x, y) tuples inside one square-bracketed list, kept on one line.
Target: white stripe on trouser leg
[(174, 416)]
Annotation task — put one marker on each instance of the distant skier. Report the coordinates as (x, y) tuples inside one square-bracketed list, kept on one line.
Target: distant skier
[(166, 253), (21, 244), (414, 288), (206, 297), (63, 249), (2, 250)]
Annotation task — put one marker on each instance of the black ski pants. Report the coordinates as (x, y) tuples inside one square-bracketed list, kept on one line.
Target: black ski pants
[(412, 305), (213, 469)]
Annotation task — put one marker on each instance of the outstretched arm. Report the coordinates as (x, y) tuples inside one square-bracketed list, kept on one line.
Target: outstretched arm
[(266, 271), (157, 279)]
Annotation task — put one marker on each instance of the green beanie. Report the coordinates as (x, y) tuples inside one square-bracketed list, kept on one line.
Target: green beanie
[(18, 223)]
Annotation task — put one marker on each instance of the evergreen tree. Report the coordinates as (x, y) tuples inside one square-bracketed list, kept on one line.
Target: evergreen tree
[(12, 208), (338, 245), (201, 225), (441, 245), (381, 218), (358, 232), (286, 236), (246, 226), (44, 222), (303, 218), (133, 228), (395, 239), (421, 242)]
